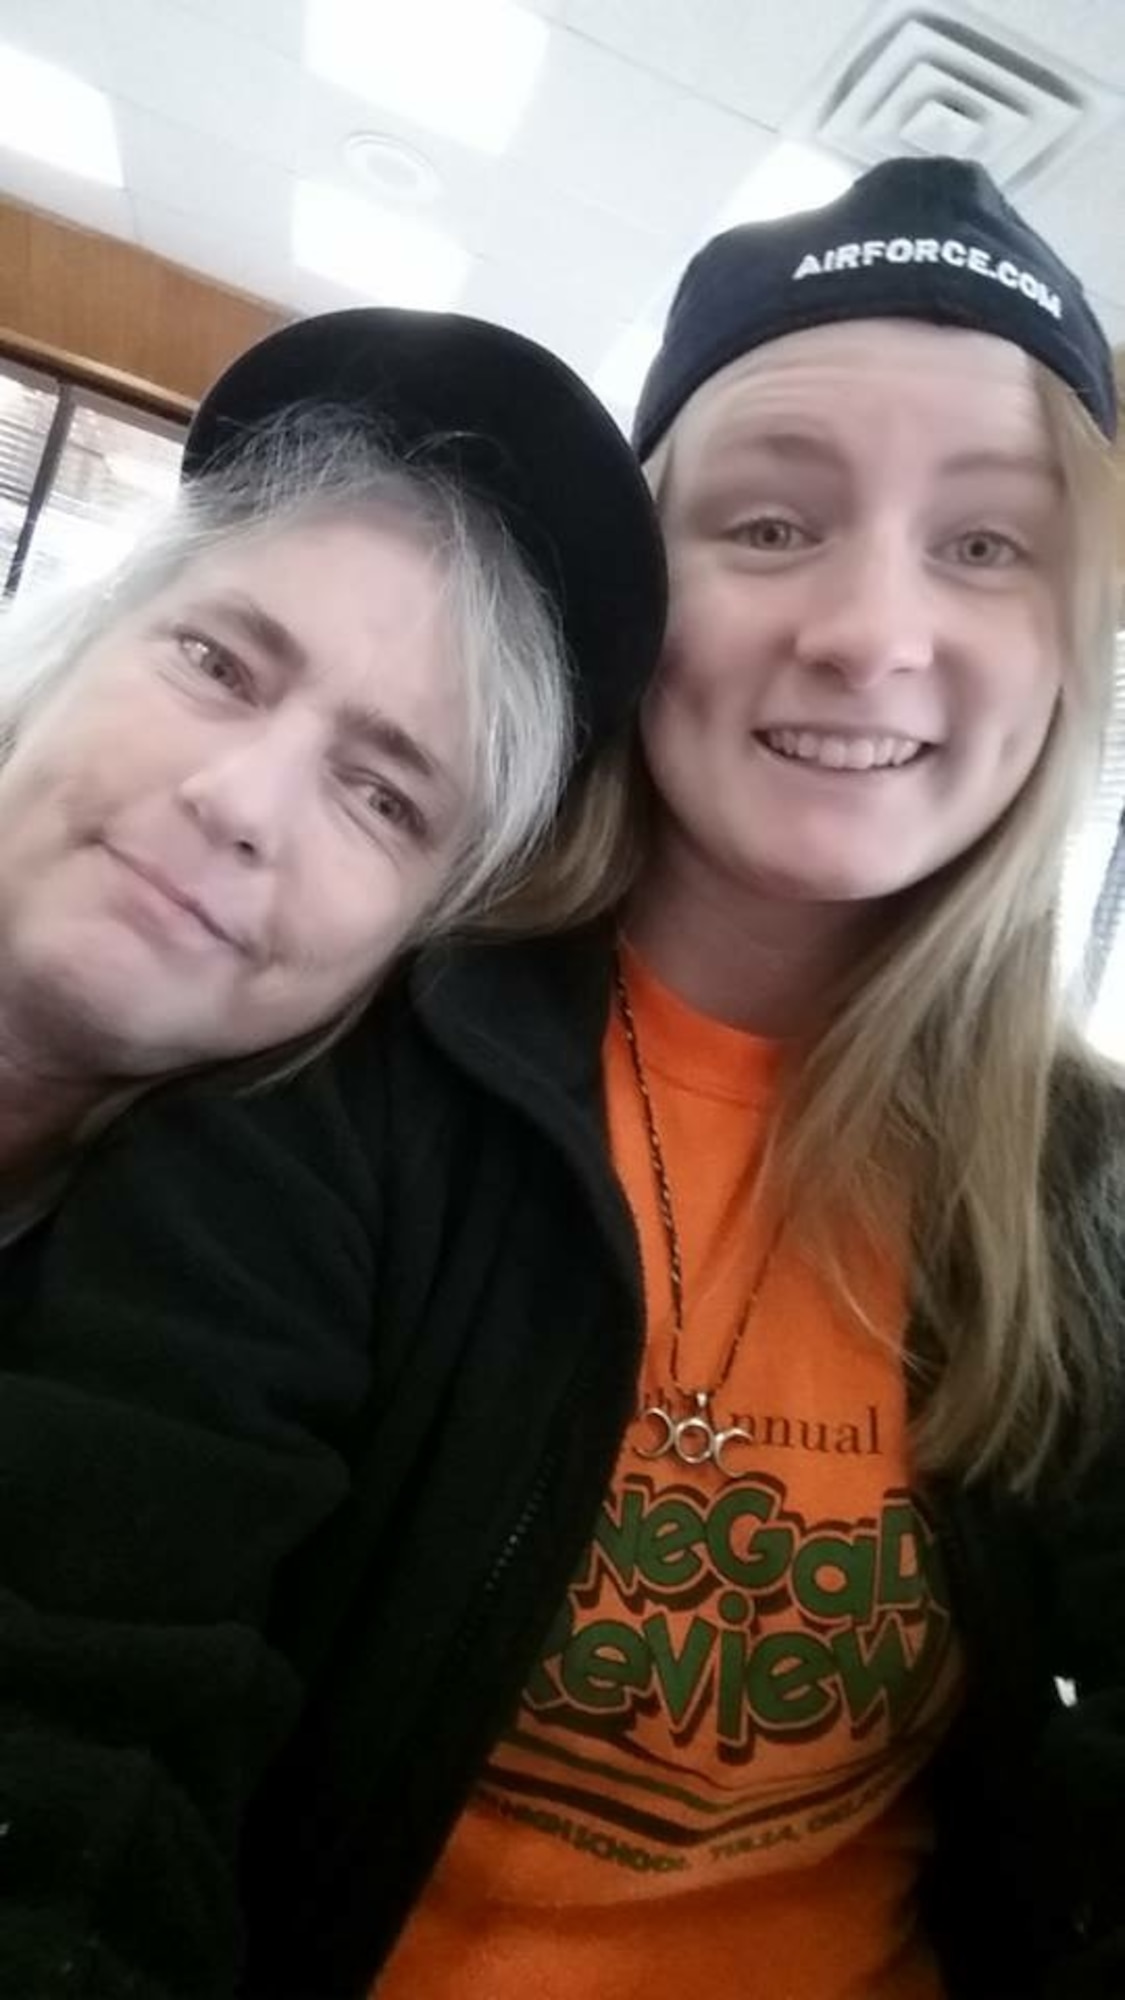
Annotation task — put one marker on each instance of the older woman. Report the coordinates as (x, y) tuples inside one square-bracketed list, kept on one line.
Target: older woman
[(739, 1467), (323, 711)]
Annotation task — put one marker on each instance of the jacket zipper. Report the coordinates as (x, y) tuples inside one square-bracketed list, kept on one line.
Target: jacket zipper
[(986, 1640), (521, 1527)]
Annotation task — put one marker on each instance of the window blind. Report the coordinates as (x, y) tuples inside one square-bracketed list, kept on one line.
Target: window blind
[(113, 466), (27, 406), (1104, 953)]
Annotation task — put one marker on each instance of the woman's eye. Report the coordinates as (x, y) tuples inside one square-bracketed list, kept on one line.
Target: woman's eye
[(383, 802), (214, 662), (771, 535), (985, 548)]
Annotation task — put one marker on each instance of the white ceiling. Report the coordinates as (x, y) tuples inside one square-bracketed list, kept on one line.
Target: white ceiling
[(647, 116)]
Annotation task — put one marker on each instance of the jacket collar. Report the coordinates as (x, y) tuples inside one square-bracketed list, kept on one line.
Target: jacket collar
[(526, 1021), (534, 1007)]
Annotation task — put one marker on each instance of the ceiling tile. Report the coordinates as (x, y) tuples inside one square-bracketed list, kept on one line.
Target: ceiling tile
[(607, 265), (313, 292), (327, 117), (759, 60), (556, 315), (308, 292), (166, 162), (1111, 312), (85, 203), (1072, 214), (493, 211), (244, 262), (616, 137), (199, 73), (278, 23), (70, 33), (1088, 34)]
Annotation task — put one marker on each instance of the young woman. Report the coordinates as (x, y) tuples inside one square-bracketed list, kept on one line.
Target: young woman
[(737, 1472)]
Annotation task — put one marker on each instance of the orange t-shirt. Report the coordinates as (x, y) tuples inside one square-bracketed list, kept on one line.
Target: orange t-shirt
[(709, 1786)]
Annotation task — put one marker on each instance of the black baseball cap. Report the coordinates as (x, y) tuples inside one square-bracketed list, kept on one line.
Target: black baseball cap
[(930, 239), (518, 429)]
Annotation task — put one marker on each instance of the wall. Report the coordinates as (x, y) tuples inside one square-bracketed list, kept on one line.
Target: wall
[(115, 316)]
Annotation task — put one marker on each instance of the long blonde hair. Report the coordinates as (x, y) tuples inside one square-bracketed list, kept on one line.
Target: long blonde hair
[(939, 1068), (948, 1068)]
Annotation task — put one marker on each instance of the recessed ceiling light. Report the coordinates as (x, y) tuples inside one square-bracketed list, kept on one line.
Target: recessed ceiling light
[(391, 169), (381, 256), (791, 177), (55, 117), (465, 68), (618, 380)]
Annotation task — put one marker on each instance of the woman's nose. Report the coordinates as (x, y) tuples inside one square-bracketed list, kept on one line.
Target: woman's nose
[(874, 616), (244, 799)]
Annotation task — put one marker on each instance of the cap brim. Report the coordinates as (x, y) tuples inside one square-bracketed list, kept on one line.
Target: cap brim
[(519, 429)]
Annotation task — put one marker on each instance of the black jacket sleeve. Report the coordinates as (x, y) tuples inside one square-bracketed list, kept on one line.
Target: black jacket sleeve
[(1081, 1765), (1082, 1759), (176, 1392)]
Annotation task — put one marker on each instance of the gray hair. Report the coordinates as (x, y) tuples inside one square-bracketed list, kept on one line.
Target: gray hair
[(314, 461)]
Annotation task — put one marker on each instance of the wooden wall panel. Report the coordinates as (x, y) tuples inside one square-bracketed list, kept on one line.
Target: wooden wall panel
[(116, 316)]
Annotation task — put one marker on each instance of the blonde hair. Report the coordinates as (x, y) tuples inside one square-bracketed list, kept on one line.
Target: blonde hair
[(591, 858), (939, 1071), (948, 1068)]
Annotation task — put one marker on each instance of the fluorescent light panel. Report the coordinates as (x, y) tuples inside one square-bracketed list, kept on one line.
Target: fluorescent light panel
[(790, 178), (53, 116), (380, 255), (464, 68)]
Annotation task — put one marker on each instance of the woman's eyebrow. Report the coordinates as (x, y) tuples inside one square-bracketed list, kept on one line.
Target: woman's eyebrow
[(805, 447), (372, 728), (365, 726), (260, 627), (996, 459), (792, 444)]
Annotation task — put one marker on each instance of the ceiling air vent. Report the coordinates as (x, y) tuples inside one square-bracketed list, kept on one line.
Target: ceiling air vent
[(927, 84)]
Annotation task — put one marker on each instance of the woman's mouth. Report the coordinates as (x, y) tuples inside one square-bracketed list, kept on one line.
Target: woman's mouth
[(826, 750), (178, 898)]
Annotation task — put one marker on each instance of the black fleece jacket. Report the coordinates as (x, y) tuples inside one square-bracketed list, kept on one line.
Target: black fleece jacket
[(307, 1404)]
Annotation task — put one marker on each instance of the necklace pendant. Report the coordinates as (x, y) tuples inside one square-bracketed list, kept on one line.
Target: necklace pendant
[(691, 1439), (694, 1438)]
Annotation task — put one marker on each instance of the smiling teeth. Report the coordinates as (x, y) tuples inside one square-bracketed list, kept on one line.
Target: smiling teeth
[(843, 753)]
